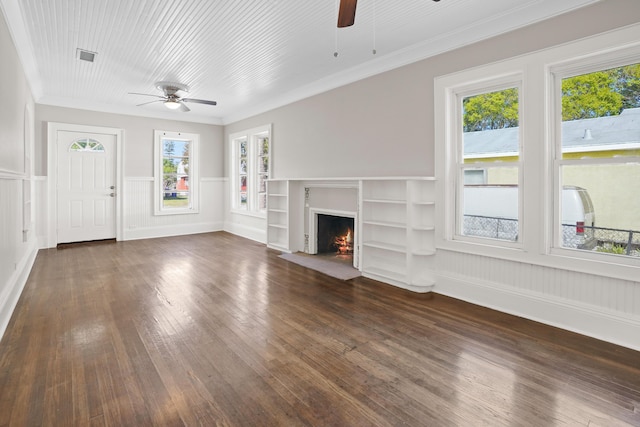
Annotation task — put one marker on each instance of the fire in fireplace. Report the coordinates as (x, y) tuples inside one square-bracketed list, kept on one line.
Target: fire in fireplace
[(344, 243), (335, 234)]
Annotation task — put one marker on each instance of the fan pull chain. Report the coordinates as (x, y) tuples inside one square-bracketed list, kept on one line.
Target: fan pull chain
[(335, 51), (374, 28)]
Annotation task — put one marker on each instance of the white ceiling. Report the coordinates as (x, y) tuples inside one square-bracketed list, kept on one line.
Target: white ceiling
[(248, 55)]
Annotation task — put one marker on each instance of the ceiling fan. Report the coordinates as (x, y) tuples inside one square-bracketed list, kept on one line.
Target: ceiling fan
[(347, 13), (171, 99)]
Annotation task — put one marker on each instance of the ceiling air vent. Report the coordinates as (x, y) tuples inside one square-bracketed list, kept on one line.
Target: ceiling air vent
[(85, 55)]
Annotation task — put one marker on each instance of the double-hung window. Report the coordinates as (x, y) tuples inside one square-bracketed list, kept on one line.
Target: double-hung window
[(176, 173), (251, 168), (550, 143), (596, 120), (487, 156)]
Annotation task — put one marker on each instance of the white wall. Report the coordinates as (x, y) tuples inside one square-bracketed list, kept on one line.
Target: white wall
[(137, 192), (384, 126), (17, 249), (381, 126)]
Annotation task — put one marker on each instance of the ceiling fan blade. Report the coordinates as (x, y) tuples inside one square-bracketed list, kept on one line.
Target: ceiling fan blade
[(145, 94), (150, 102), (347, 13), (199, 101), (183, 107)]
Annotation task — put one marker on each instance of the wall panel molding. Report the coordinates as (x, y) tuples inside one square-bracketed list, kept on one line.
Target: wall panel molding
[(603, 308), (141, 223)]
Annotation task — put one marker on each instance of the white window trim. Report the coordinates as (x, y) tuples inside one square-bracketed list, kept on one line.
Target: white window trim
[(538, 94), (558, 72), (252, 136), (194, 177), (457, 153)]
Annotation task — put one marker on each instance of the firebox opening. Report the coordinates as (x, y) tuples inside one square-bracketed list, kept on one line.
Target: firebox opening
[(335, 235)]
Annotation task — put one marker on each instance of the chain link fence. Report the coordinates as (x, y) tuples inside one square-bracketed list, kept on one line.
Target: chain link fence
[(600, 239), (490, 227), (609, 240)]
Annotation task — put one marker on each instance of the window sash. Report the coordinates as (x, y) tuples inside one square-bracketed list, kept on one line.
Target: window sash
[(462, 161), (176, 189), (563, 161), (251, 169), (540, 73)]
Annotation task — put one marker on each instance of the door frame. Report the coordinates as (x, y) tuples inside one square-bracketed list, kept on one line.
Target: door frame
[(52, 172)]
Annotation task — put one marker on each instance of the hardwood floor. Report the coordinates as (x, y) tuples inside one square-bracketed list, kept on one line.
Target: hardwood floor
[(213, 329)]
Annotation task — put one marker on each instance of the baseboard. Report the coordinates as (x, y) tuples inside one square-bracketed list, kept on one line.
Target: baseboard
[(407, 286), (11, 295), (584, 319), (42, 242), (251, 233), (170, 231)]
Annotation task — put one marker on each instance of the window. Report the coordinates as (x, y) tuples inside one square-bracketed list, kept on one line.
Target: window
[(597, 158), (87, 145), (566, 161), (487, 154), (176, 173), (251, 168)]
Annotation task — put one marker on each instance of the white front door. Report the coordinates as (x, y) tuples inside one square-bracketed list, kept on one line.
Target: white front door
[(86, 186)]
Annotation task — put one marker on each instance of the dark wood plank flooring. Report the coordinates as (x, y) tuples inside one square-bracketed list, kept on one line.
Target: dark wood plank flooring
[(213, 329)]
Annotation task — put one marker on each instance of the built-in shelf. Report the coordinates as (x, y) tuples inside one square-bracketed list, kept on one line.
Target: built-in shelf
[(424, 252), (398, 230), (380, 273), (389, 201), (385, 246), (278, 247), (386, 224), (278, 224), (423, 227), (395, 225)]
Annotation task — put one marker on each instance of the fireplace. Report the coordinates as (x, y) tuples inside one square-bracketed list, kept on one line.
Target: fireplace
[(333, 234)]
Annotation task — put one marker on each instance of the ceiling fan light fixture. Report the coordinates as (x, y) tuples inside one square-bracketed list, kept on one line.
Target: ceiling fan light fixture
[(172, 104)]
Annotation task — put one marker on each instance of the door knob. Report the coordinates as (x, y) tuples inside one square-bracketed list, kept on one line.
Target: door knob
[(112, 187), (112, 194)]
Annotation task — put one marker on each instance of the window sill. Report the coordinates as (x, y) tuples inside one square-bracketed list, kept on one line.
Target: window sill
[(175, 212), (611, 266)]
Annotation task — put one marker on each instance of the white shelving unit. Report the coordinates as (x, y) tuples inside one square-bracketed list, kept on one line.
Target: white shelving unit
[(278, 223), (421, 227), (384, 230), (397, 226)]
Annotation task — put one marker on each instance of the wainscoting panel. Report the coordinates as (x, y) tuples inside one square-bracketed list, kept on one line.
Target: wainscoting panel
[(139, 221), (40, 193), (597, 306), (242, 224), (16, 254)]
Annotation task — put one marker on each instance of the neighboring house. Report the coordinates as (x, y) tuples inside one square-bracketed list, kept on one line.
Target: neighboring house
[(182, 182), (602, 137)]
